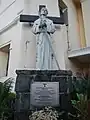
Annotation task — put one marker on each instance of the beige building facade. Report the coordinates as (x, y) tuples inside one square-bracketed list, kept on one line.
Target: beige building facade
[(17, 42)]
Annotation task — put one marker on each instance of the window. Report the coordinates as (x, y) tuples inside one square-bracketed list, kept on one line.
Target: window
[(4, 60)]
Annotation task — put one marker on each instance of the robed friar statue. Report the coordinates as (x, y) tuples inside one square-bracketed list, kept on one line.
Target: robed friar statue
[(43, 28)]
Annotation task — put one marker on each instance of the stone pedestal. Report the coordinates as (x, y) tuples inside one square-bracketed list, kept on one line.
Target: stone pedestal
[(23, 86)]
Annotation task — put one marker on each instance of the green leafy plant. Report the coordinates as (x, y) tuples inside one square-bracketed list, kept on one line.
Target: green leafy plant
[(81, 96), (6, 97)]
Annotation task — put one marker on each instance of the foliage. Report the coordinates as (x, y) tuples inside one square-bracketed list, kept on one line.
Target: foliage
[(80, 107), (82, 85), (6, 98), (81, 96)]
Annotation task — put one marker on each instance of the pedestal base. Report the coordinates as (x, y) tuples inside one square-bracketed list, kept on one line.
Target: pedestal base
[(23, 89)]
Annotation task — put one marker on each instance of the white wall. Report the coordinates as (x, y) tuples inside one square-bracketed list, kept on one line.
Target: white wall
[(73, 25), (60, 46), (15, 50), (27, 59), (3, 63), (13, 34), (86, 16), (9, 9), (31, 6), (4, 4)]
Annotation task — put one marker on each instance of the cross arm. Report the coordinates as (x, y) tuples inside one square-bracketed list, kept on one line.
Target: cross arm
[(32, 18)]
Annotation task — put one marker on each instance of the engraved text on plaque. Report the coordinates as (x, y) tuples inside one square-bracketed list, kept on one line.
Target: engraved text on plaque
[(44, 94)]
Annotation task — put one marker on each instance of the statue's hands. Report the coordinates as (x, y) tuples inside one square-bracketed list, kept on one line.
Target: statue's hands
[(42, 26)]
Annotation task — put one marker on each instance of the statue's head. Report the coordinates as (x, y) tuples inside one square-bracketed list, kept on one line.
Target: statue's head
[(43, 11)]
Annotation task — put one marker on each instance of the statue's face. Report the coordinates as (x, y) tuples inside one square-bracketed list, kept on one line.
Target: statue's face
[(44, 12)]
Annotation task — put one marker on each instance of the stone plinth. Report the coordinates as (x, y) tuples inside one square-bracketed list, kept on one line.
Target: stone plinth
[(23, 87)]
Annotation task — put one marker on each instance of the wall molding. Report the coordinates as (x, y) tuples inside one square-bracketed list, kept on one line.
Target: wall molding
[(7, 7), (5, 44), (13, 22), (9, 25)]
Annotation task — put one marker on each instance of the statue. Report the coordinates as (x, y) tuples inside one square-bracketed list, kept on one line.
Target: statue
[(43, 28)]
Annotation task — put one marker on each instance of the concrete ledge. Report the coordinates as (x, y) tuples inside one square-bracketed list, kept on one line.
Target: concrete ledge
[(43, 72), (79, 52)]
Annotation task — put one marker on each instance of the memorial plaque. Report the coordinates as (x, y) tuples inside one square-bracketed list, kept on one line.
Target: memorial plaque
[(44, 94)]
